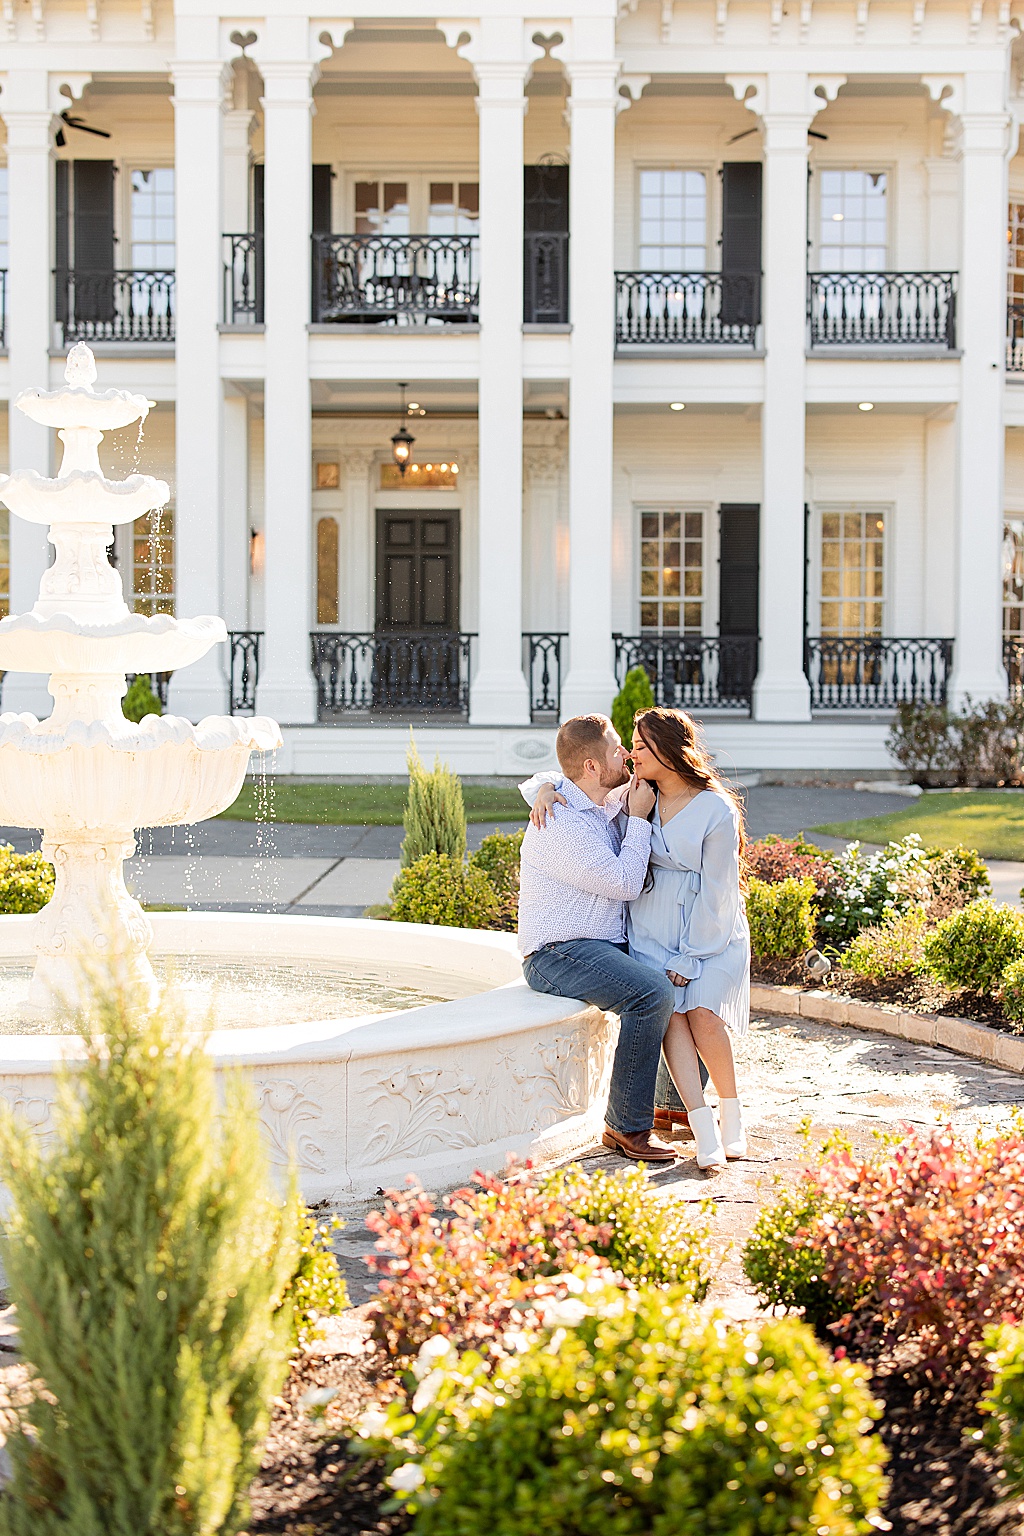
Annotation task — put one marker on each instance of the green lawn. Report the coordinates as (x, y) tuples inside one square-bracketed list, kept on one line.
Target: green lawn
[(989, 820), (364, 805)]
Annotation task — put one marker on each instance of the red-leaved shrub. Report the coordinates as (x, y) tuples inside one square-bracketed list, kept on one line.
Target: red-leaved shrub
[(465, 1274), (929, 1236), (774, 859)]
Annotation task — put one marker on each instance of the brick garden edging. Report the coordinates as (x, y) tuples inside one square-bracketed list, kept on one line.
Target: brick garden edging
[(961, 1035)]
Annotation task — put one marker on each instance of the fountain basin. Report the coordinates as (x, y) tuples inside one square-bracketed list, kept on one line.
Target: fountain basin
[(81, 497), (359, 1102), (134, 643)]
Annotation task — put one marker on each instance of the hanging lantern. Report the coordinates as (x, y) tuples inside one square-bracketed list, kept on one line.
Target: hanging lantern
[(402, 441)]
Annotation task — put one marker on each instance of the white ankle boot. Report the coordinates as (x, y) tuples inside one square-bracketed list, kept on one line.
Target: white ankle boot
[(710, 1152), (734, 1135)]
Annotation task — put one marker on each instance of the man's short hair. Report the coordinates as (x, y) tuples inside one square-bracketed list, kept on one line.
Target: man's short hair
[(580, 738)]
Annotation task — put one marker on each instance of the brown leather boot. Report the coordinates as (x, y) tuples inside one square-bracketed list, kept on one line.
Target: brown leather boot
[(673, 1124), (641, 1146)]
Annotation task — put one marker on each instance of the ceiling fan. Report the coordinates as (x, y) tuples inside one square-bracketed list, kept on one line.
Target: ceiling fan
[(76, 122), (811, 134)]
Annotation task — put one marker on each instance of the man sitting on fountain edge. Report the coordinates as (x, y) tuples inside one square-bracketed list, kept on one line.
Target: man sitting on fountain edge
[(575, 878)]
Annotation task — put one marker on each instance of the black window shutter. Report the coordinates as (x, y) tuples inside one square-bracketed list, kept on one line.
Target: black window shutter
[(258, 201), (739, 569), (546, 244), (93, 227), (321, 200), (62, 236), (741, 242)]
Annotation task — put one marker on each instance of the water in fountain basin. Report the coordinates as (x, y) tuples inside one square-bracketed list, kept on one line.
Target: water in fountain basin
[(248, 995)]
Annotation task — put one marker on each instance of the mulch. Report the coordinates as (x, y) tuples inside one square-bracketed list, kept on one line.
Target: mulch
[(942, 1482), (905, 994)]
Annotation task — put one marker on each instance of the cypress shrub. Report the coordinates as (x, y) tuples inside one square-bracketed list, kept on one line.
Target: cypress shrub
[(636, 694), (435, 816), (140, 700), (148, 1258)]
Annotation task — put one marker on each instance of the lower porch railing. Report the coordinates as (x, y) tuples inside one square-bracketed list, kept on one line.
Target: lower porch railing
[(245, 669), (692, 671), (875, 673), (542, 660), (396, 672), (1013, 661)]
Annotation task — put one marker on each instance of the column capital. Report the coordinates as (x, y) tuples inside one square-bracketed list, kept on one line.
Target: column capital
[(786, 102), (500, 50), (201, 82)]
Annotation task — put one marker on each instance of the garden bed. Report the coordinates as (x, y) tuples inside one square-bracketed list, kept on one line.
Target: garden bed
[(943, 1483), (900, 994)]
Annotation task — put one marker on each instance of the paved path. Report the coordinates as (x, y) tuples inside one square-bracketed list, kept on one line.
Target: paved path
[(789, 1069), (244, 866)]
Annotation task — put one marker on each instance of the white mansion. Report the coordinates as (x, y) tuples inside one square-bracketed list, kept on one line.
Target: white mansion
[(494, 354)]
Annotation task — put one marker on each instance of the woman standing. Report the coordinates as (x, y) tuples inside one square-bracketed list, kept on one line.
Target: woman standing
[(689, 921)]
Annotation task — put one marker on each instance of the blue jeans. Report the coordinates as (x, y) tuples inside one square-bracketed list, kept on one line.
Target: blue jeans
[(602, 973), (666, 1095)]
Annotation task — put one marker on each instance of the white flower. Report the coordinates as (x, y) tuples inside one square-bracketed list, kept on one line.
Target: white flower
[(317, 1397), (372, 1424), (427, 1390), (565, 1314), (431, 1352), (574, 1285), (406, 1478)]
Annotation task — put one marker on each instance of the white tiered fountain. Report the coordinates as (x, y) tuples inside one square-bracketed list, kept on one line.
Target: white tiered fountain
[(372, 1048), (87, 776)]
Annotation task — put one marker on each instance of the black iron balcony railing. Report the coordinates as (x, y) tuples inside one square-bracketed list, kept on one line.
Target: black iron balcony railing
[(1015, 338), (873, 673), (136, 306), (395, 672), (245, 669), (546, 279), (884, 309), (687, 308), (542, 657), (3, 306), (395, 279), (692, 671), (1013, 661), (243, 279)]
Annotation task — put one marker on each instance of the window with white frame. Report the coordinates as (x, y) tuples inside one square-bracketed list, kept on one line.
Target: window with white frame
[(853, 221), (152, 219), (1013, 579), (852, 572), (153, 562), (673, 222), (671, 570), (406, 205), (1015, 254)]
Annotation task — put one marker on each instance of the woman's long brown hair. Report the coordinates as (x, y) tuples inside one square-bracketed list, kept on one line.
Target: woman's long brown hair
[(673, 737)]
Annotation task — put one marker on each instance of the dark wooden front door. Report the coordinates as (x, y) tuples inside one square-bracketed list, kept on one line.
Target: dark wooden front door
[(417, 647)]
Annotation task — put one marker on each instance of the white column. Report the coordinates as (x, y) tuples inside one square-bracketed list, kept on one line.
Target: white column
[(786, 104), (238, 121), (499, 693), (357, 578), (234, 501), (286, 689), (593, 102), (977, 659), (199, 90), (25, 108)]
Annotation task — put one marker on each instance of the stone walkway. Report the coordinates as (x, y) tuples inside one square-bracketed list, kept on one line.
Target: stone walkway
[(791, 1069)]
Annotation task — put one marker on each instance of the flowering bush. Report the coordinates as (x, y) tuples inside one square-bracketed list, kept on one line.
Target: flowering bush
[(868, 889), (1005, 1402), (789, 858), (781, 917), (973, 947), (631, 1413), (958, 875), (894, 948), (641, 1232), (441, 889), (928, 1237), (26, 880), (469, 1274)]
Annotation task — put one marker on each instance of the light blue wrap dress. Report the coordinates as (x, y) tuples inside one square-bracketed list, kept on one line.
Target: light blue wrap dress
[(691, 917)]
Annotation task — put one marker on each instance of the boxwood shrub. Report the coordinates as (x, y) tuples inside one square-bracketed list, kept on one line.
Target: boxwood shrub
[(781, 917), (26, 880), (641, 1417), (973, 947), (441, 889)]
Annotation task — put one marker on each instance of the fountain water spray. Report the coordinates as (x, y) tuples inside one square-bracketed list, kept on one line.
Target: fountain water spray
[(87, 776)]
